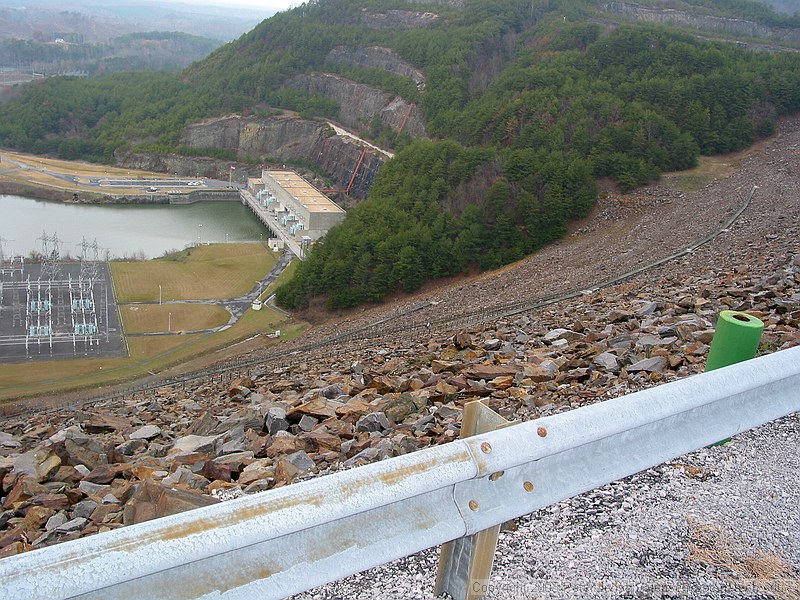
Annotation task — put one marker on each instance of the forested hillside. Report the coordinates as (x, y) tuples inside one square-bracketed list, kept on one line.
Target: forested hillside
[(155, 50), (526, 104)]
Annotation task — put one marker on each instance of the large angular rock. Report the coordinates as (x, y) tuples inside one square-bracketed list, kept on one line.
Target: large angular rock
[(148, 432), (398, 408), (57, 520), (84, 508), (332, 391), (276, 420), (606, 361), (107, 473), (194, 443), (241, 387), (355, 407), (37, 516), (248, 417), (543, 371), (283, 443), (73, 525), (131, 447), (23, 490), (285, 471), (83, 450), (442, 366), (232, 442), (9, 441), (94, 489), (207, 424), (462, 340), (151, 500), (104, 423), (376, 421), (562, 334), (39, 464), (489, 372), (321, 441), (307, 423), (301, 460), (654, 364), (184, 476), (318, 407)]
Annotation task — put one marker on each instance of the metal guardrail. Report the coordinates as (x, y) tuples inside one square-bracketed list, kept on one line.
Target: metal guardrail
[(291, 539)]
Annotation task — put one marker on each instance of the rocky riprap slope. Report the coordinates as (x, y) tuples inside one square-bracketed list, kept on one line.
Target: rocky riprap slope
[(73, 472)]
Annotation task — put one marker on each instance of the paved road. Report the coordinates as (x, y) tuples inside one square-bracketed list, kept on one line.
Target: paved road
[(235, 306), (163, 183)]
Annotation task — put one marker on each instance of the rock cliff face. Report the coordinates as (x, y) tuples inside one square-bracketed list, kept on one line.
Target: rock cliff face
[(286, 139), (376, 57), (398, 19), (706, 22), (360, 103), (274, 140)]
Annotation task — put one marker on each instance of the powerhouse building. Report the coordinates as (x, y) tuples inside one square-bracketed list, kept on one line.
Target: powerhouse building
[(298, 208)]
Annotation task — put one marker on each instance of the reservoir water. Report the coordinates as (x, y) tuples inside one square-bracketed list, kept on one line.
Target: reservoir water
[(129, 230)]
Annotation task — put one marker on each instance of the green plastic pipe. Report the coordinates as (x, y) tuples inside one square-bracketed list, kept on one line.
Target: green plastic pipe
[(736, 339)]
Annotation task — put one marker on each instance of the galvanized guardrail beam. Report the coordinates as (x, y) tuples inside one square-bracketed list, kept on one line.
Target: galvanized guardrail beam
[(291, 539)]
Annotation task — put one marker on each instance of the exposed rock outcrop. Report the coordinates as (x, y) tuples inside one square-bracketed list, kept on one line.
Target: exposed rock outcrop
[(706, 22), (283, 139), (377, 57), (277, 137), (360, 103), (398, 19)]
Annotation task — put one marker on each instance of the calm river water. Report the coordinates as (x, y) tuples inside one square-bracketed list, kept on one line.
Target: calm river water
[(123, 230)]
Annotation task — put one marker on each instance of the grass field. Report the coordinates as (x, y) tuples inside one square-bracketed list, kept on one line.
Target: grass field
[(205, 273), (708, 169), (231, 269), (149, 318)]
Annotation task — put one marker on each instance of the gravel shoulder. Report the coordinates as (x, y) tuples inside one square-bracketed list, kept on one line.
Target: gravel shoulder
[(717, 523)]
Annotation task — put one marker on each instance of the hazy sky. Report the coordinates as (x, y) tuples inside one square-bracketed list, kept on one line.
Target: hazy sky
[(271, 5)]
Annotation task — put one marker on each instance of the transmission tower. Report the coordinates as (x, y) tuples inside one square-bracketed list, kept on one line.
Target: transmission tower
[(90, 260), (51, 256), (10, 265)]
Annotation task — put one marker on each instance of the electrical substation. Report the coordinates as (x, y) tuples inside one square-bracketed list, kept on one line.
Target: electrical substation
[(52, 308)]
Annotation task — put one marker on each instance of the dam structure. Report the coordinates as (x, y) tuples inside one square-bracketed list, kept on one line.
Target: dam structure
[(295, 211)]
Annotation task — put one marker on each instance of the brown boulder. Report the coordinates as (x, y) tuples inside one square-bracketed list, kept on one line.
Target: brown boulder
[(151, 500), (462, 340), (107, 473), (318, 407), (283, 443), (355, 408), (48, 500), (398, 408), (491, 371), (320, 441), (104, 423)]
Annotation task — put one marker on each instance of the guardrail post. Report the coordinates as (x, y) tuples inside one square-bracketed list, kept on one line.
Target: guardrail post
[(465, 564)]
